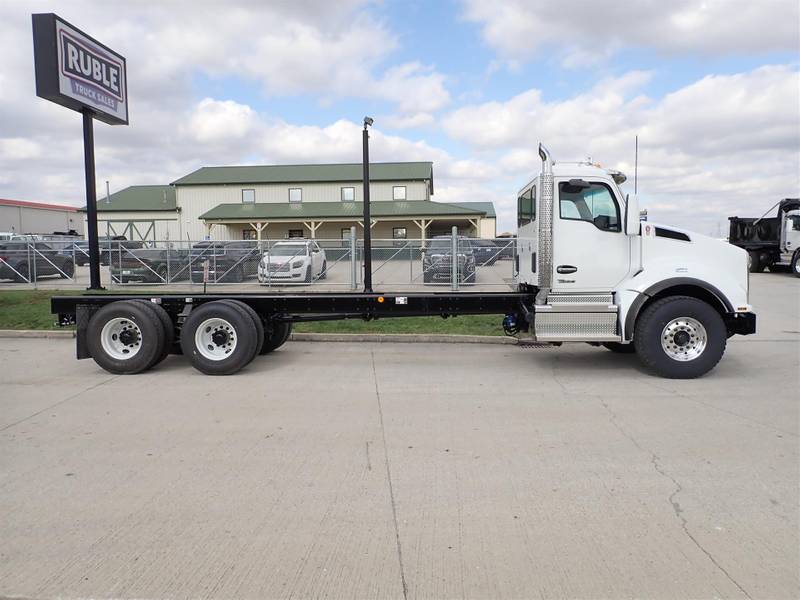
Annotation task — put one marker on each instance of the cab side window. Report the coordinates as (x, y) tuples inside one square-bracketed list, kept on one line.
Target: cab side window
[(526, 207), (592, 202)]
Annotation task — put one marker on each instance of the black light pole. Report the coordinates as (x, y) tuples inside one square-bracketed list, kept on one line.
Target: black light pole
[(367, 220), (91, 200)]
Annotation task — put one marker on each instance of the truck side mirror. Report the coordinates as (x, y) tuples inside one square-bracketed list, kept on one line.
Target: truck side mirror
[(632, 225)]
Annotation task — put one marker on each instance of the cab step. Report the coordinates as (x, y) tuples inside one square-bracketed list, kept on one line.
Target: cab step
[(577, 317)]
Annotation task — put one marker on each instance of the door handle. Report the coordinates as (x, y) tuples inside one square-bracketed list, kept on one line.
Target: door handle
[(566, 269)]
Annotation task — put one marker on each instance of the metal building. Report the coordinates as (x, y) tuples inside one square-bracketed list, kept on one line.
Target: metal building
[(21, 216)]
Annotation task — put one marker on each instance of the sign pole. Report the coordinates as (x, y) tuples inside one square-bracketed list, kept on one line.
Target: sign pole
[(91, 200)]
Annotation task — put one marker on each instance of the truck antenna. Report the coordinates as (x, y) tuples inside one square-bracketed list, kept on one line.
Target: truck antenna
[(636, 166)]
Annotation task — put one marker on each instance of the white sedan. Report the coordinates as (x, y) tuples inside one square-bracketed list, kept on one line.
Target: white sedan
[(299, 261)]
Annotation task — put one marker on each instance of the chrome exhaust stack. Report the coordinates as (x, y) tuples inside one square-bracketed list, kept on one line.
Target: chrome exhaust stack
[(544, 263)]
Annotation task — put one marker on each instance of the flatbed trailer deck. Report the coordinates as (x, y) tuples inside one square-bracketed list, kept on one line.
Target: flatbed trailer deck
[(275, 311)]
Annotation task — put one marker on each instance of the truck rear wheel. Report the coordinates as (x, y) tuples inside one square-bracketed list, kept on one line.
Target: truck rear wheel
[(125, 337), (680, 337), (257, 324), (277, 337), (218, 338), (166, 325)]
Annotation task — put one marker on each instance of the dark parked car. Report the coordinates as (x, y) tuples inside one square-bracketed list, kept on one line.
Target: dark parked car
[(228, 262), (507, 247), (437, 260), (151, 265), (486, 252), (108, 247), (26, 261)]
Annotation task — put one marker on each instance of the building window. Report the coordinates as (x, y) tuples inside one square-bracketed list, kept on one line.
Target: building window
[(248, 196), (399, 192), (295, 195), (295, 233), (348, 194), (345, 233), (248, 234)]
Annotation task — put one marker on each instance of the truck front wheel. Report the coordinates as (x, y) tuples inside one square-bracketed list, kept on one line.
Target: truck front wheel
[(680, 337), (796, 264)]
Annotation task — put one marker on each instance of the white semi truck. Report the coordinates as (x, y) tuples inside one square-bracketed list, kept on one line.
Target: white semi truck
[(589, 271)]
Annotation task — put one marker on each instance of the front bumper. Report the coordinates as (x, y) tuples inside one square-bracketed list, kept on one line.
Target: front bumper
[(741, 323), (281, 275)]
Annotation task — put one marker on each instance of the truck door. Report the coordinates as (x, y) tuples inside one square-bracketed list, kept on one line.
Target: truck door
[(591, 252), (791, 232)]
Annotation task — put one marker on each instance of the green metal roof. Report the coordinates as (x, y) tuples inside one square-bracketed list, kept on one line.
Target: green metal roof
[(398, 171), (487, 207), (333, 210), (138, 198)]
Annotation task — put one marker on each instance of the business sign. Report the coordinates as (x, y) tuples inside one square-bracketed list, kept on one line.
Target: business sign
[(76, 71)]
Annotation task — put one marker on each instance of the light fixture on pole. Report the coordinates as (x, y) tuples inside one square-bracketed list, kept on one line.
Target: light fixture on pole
[(368, 121)]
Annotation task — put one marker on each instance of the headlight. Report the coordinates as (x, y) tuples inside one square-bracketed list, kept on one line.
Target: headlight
[(297, 264)]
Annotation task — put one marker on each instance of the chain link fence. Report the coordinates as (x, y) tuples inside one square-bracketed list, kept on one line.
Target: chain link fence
[(442, 262)]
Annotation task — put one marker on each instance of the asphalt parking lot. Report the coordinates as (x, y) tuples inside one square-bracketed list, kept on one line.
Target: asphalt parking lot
[(406, 470)]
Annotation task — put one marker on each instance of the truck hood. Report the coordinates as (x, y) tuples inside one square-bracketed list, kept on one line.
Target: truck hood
[(672, 253)]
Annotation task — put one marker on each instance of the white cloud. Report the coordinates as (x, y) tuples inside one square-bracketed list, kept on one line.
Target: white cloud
[(221, 120), (584, 33)]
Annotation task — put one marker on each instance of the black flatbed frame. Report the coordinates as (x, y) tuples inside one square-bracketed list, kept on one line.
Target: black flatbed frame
[(315, 306)]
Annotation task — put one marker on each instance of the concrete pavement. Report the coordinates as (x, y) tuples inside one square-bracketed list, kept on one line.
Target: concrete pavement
[(398, 470)]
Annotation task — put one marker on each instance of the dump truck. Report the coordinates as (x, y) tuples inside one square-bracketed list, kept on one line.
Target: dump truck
[(588, 271), (771, 242)]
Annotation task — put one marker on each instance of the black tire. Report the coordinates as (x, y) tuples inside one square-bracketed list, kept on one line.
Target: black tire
[(67, 270), (796, 264), (145, 346), (651, 324), (308, 275), (620, 348), (276, 336), (755, 264), (240, 327), (324, 273), (168, 327), (258, 324)]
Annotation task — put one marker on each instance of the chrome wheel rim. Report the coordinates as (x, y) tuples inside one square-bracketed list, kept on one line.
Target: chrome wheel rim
[(121, 338), (684, 339), (215, 339), (797, 266)]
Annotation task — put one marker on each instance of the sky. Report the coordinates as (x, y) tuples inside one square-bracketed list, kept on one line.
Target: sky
[(711, 89)]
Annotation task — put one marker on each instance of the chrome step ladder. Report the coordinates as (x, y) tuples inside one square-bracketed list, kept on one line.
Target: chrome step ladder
[(577, 318)]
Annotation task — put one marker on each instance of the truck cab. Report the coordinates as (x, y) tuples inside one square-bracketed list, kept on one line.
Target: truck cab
[(601, 276)]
